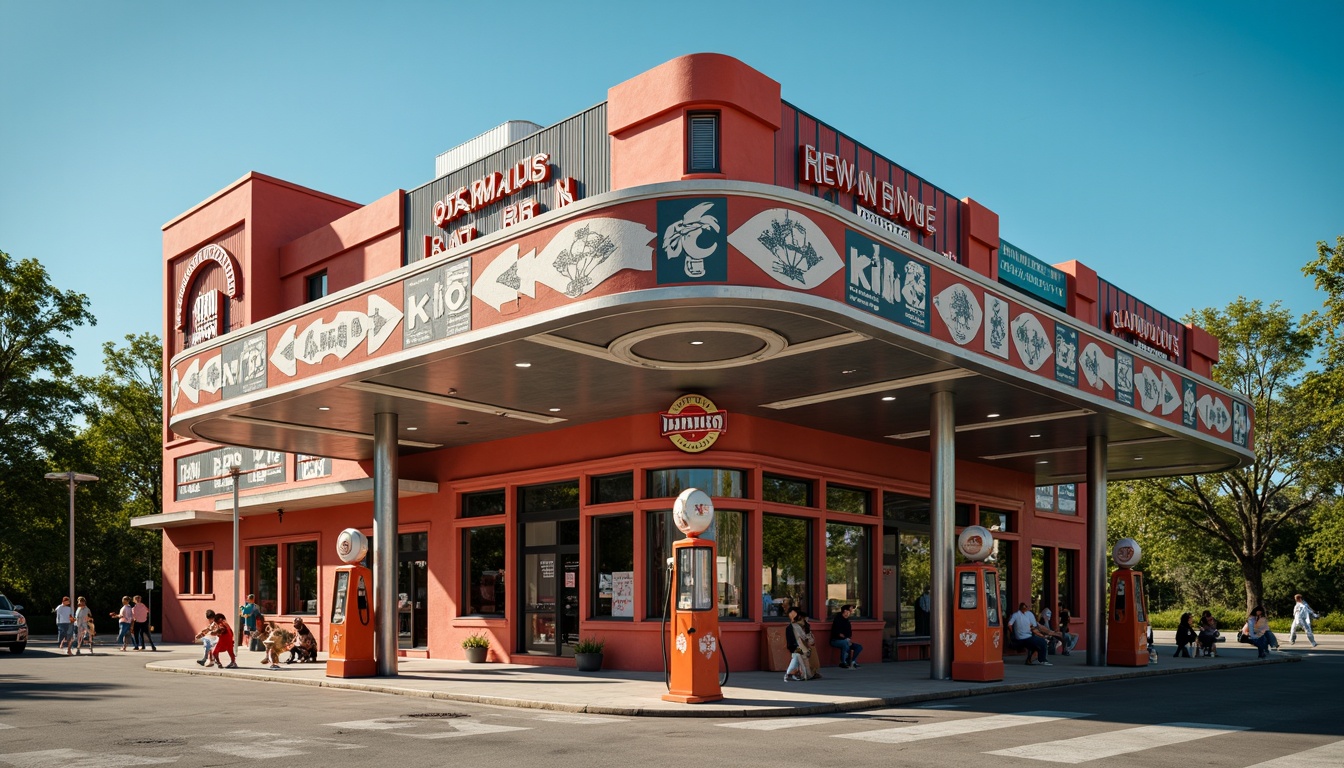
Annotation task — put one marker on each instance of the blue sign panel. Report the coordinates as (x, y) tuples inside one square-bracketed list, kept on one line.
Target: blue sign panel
[(1066, 355), (693, 240), (886, 282), (1028, 274)]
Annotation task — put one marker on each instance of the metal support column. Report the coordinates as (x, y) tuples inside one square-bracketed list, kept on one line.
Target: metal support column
[(237, 603), (1096, 551), (942, 541), (385, 542)]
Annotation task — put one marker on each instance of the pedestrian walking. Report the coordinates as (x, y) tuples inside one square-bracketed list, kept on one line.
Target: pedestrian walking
[(125, 620), (248, 615), (224, 642), (65, 625), (207, 638), (143, 636), (1302, 616), (83, 628)]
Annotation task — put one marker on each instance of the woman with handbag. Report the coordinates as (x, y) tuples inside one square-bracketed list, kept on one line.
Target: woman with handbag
[(1257, 631), (800, 642), (1208, 634)]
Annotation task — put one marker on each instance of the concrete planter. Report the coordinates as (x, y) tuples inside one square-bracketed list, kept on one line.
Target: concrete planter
[(588, 662), (476, 654)]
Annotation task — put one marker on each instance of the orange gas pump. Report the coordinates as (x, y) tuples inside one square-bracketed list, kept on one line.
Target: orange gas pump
[(977, 626), (693, 676), (1127, 621), (350, 625)]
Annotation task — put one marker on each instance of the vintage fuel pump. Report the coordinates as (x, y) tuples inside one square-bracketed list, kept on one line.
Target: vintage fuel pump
[(694, 668), (977, 626), (1127, 621), (350, 625)]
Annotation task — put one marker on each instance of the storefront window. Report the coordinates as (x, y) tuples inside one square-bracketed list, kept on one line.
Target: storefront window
[(614, 566), (720, 483), (786, 490), (996, 520), (658, 533), (1003, 560), (786, 544), (301, 570), (1068, 569), (905, 509), (852, 500), (552, 497), (847, 571), (731, 573), (263, 565), (612, 489), (483, 504), (915, 567), (483, 556)]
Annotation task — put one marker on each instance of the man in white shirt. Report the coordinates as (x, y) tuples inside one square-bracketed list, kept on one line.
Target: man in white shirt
[(1302, 615), (65, 627), (1021, 626)]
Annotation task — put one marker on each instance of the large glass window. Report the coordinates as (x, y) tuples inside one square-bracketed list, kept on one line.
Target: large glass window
[(483, 504), (301, 578), (553, 497), (196, 572), (847, 571), (483, 558), (1039, 597), (916, 604), (786, 490), (720, 483), (614, 566), (906, 509), (730, 538), (263, 565), (996, 520), (658, 537), (611, 489), (1003, 560), (786, 545), (854, 500), (1068, 574)]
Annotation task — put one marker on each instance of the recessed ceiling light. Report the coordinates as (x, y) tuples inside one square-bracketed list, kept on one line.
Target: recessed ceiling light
[(323, 408), (851, 370), (555, 410), (1038, 434), (411, 429), (696, 343), (522, 365), (991, 415), (1138, 458), (888, 398), (1043, 461)]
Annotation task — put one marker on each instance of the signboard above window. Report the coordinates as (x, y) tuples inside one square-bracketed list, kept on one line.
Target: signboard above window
[(1031, 276)]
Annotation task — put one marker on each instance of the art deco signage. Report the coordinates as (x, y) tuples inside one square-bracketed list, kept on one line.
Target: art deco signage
[(693, 423), (826, 169), (208, 309), (1030, 275), (210, 473)]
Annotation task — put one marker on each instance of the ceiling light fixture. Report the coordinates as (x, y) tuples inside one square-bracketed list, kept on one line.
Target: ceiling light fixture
[(451, 402), (412, 429), (696, 343), (1000, 423), (323, 408), (555, 410), (991, 415), (287, 425), (522, 365), (869, 389), (888, 398), (1038, 434)]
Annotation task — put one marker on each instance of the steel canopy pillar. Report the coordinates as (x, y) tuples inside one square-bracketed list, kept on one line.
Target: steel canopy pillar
[(942, 508), (1096, 550), (385, 542)]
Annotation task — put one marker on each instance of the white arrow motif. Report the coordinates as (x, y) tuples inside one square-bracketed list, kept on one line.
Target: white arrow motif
[(190, 381), (499, 281), (212, 374), (1171, 397), (283, 357), (383, 319)]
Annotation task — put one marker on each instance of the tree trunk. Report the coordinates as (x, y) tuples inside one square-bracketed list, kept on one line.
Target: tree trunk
[(1255, 589)]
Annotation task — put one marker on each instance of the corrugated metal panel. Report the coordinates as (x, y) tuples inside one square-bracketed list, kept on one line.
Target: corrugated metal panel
[(487, 143), (579, 148)]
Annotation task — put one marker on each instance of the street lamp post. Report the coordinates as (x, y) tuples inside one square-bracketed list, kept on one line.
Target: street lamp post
[(72, 478), (238, 630)]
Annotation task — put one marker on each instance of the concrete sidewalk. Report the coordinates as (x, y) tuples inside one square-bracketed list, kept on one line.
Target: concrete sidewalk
[(747, 694)]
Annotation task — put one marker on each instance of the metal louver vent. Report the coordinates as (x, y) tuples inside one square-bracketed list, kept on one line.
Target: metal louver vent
[(704, 140)]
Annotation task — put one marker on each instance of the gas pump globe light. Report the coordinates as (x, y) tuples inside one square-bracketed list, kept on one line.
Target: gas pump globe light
[(1126, 553), (693, 512), (975, 543), (352, 545)]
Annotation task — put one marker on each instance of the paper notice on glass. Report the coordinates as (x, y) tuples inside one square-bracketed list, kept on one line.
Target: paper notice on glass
[(623, 594)]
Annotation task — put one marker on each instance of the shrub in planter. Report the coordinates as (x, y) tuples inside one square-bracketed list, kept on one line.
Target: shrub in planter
[(476, 646), (588, 654)]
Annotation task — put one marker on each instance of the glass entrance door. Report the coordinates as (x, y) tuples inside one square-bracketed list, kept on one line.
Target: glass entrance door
[(550, 568), (412, 590)]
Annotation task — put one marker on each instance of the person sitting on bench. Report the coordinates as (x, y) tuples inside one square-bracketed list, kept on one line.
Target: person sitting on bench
[(1021, 635)]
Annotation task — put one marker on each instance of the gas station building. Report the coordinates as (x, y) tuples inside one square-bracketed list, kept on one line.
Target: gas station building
[(505, 376)]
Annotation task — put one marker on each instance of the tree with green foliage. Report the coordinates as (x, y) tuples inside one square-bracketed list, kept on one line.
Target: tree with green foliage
[(38, 405)]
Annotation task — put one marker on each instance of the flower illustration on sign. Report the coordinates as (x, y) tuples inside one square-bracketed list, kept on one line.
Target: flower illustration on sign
[(968, 637), (684, 236), (1033, 346), (996, 325), (960, 311), (787, 246), (788, 241), (996, 638), (577, 262), (681, 642), (708, 644)]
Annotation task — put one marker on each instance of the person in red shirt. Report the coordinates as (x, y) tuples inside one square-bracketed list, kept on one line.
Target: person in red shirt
[(225, 643), (141, 636)]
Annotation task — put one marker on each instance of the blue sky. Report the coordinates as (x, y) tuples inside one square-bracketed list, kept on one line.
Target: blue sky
[(1190, 152)]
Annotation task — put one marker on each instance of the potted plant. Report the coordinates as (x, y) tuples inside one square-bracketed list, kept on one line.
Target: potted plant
[(476, 645), (588, 654)]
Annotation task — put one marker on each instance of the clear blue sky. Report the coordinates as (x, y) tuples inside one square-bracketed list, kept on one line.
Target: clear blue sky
[(1190, 152)]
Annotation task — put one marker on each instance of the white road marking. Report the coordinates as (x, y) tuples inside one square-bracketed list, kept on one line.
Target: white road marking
[(939, 706), (262, 745), (373, 725), (253, 750), (959, 727), (1325, 756), (465, 729), (581, 719), (3, 726), (1099, 745), (72, 758), (777, 723)]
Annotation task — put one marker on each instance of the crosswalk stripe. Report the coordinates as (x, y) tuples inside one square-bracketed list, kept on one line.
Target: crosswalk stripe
[(777, 723), (1325, 756), (372, 725), (73, 758), (465, 729), (1112, 743), (960, 727), (581, 719)]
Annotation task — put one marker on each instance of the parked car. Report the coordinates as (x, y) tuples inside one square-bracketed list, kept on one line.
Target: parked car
[(13, 627)]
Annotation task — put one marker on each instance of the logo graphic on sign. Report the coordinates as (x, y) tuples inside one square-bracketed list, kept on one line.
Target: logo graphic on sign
[(694, 243), (693, 423)]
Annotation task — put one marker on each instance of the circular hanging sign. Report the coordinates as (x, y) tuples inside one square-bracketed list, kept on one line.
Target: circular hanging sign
[(1126, 553), (693, 423), (693, 512), (351, 545), (975, 543)]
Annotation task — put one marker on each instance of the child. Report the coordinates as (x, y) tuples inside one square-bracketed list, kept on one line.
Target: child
[(207, 637), (223, 642)]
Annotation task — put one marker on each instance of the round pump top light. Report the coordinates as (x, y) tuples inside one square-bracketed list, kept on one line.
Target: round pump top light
[(1126, 553), (693, 512), (975, 543), (352, 545)]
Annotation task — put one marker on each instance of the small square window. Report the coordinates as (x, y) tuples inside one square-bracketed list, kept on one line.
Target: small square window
[(317, 285)]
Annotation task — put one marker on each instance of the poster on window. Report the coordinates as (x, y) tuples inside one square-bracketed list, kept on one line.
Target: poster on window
[(623, 594)]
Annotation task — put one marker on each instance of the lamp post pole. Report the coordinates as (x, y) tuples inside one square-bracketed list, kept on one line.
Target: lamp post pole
[(72, 478), (233, 473)]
